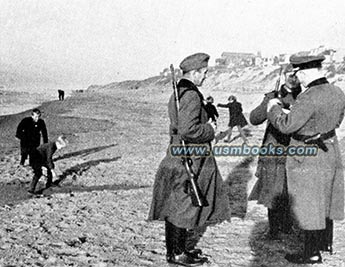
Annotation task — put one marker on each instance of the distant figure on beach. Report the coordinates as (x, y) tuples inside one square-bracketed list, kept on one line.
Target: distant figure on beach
[(236, 118), (29, 133), (211, 110), (43, 157), (61, 95)]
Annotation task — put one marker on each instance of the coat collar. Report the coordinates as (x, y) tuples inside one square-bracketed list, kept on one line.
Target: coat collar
[(186, 85), (319, 81)]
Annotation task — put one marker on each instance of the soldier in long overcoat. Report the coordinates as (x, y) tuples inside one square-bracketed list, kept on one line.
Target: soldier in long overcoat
[(315, 183), (171, 202), (271, 186)]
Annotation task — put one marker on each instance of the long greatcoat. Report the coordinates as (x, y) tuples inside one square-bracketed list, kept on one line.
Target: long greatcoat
[(170, 200), (315, 183), (271, 172)]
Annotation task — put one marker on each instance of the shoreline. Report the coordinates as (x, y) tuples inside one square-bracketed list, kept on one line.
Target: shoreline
[(13, 109), (13, 102)]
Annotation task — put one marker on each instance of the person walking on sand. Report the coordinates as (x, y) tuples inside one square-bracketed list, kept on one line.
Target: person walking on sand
[(211, 110), (236, 118), (43, 157), (171, 202), (29, 133), (61, 94)]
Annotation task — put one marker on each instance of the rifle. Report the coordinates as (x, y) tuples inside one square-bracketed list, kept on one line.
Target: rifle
[(198, 200), (277, 86)]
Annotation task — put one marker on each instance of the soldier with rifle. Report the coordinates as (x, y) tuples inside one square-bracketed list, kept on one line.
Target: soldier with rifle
[(315, 183), (189, 193), (270, 189)]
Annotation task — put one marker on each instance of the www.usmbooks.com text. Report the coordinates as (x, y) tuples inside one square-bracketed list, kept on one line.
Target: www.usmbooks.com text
[(269, 150)]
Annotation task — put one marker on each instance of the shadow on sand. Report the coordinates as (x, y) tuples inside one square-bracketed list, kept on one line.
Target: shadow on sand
[(16, 191), (84, 152), (221, 135), (267, 252), (238, 183), (79, 169)]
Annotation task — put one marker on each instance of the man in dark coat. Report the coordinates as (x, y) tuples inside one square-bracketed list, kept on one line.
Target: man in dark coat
[(211, 110), (29, 133), (61, 94), (43, 157), (271, 186), (315, 183), (171, 201), (236, 118)]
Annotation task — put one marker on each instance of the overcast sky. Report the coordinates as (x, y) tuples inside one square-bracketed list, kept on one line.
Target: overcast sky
[(98, 42)]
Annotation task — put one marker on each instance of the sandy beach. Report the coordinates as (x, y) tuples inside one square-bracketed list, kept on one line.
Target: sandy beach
[(97, 214)]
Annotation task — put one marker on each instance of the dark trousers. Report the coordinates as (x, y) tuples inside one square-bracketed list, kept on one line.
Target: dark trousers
[(279, 217), (179, 240), (318, 240), (326, 237), (193, 236), (37, 175), (279, 220), (25, 152), (175, 239), (61, 95)]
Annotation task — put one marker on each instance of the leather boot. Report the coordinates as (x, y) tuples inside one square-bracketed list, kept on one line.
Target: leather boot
[(284, 217), (49, 182), (185, 260), (33, 184), (22, 161), (169, 241), (326, 237), (37, 176), (273, 224), (192, 238), (311, 253), (175, 242)]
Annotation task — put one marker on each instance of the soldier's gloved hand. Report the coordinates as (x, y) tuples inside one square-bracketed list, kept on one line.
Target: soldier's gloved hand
[(273, 102)]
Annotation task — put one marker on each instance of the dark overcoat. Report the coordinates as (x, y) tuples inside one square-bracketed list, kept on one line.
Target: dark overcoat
[(236, 117), (29, 132), (170, 200), (212, 112), (43, 156), (271, 172), (315, 183)]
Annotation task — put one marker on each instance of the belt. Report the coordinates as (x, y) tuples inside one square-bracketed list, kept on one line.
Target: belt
[(316, 139)]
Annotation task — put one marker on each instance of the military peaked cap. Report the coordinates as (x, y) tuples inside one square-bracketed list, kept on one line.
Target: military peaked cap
[(194, 62), (300, 62)]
